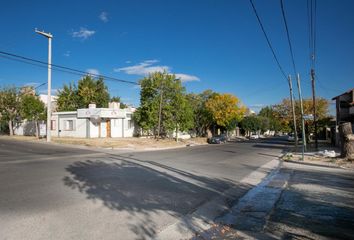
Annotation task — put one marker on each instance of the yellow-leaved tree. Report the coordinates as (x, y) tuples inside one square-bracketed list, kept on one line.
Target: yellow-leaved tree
[(225, 109)]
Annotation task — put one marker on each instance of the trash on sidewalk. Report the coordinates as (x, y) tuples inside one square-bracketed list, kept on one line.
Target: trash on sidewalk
[(327, 153)]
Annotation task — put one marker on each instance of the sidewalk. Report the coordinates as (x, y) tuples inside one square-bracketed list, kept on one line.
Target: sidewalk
[(297, 202), (131, 143)]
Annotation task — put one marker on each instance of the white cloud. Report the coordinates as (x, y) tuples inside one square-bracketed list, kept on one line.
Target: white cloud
[(151, 61), (148, 66), (103, 16), (83, 33), (31, 84), (53, 92), (93, 71), (258, 105), (67, 54), (186, 77), (143, 68)]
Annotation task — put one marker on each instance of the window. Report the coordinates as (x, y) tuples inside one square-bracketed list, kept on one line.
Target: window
[(129, 115), (130, 124), (69, 125), (53, 125)]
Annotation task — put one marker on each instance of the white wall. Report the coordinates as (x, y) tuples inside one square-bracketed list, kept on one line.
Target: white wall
[(25, 128), (94, 129), (116, 128), (128, 132), (79, 126), (54, 133), (103, 129), (86, 127)]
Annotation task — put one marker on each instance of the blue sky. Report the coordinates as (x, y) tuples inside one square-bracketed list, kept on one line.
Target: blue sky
[(214, 45)]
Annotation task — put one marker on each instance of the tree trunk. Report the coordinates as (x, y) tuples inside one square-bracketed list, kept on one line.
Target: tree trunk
[(11, 128), (177, 132), (346, 140), (37, 130)]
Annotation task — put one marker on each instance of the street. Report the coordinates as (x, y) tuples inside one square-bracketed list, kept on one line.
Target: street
[(57, 192)]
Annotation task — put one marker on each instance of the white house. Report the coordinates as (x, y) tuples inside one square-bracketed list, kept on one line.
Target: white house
[(94, 122)]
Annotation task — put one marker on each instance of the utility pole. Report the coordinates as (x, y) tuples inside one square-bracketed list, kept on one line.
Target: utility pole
[(293, 109), (160, 109), (49, 97), (314, 105), (302, 118)]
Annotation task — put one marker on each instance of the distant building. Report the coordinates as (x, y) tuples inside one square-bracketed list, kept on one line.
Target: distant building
[(345, 107), (344, 113), (27, 90), (44, 99), (94, 122)]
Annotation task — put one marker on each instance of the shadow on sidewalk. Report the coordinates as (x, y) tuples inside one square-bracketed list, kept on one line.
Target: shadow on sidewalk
[(317, 204)]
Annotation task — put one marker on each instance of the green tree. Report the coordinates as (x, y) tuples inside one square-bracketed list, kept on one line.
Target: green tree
[(9, 106), (89, 90), (68, 99), (274, 123), (92, 91), (32, 109), (118, 99), (161, 90), (181, 111), (202, 117), (251, 123)]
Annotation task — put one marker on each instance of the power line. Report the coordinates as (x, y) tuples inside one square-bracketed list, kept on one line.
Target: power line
[(268, 41), (288, 36), (72, 70), (311, 16), (42, 66)]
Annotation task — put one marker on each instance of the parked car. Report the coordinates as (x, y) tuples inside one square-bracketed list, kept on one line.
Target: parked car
[(291, 137), (254, 136), (218, 139)]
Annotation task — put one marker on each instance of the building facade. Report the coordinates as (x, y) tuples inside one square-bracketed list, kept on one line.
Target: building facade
[(345, 107), (94, 122)]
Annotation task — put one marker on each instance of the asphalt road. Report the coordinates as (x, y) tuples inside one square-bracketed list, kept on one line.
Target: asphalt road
[(56, 192)]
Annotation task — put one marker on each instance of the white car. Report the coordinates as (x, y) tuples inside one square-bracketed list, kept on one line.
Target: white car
[(254, 136)]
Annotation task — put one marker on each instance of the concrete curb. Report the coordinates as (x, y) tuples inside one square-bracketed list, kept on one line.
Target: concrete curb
[(251, 211), (203, 218)]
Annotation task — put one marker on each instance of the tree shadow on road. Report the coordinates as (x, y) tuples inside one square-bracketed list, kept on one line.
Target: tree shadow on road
[(124, 185)]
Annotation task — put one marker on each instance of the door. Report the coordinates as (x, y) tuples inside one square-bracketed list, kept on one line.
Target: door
[(108, 126)]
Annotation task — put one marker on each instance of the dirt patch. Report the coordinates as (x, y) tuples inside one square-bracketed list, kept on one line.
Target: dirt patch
[(317, 159), (127, 143), (23, 138), (131, 143)]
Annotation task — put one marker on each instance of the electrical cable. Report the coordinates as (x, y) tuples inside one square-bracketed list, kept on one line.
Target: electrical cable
[(65, 68), (288, 36), (268, 41)]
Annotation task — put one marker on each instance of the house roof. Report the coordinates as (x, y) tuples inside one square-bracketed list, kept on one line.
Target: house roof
[(64, 113), (350, 90)]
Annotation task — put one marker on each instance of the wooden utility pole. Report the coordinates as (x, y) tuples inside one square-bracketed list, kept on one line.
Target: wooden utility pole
[(302, 117), (314, 105), (293, 110)]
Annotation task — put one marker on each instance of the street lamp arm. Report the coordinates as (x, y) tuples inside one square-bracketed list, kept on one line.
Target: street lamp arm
[(48, 35)]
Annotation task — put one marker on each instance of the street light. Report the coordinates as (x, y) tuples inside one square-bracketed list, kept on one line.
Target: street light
[(49, 100)]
